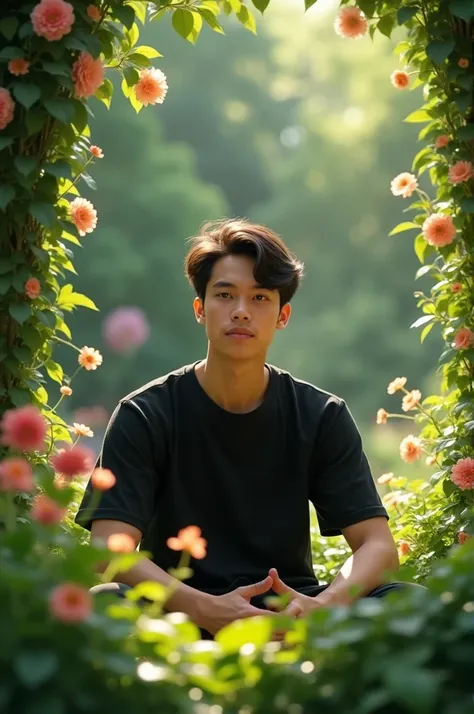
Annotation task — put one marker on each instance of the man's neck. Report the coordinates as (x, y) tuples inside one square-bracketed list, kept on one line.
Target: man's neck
[(237, 386)]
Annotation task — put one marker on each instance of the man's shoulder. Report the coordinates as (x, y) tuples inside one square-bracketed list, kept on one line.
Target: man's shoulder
[(158, 388), (306, 392)]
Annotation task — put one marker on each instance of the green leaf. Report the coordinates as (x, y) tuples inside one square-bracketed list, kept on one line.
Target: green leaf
[(466, 133), (7, 194), (367, 7), (8, 27), (57, 68), (462, 8), (210, 18), (5, 141), (439, 50), (417, 117), (27, 94), (256, 630), (426, 331), (309, 3), (183, 23), (31, 337), (125, 14), (44, 213), (148, 589), (69, 299), (421, 247), (149, 52), (246, 18), (423, 320), (9, 53), (55, 371), (60, 169), (386, 25), (405, 14), (35, 119), (61, 109), (25, 164), (412, 687), (105, 91), (406, 226), (467, 204), (20, 312), (131, 76), (463, 100), (34, 667), (138, 59), (261, 5)]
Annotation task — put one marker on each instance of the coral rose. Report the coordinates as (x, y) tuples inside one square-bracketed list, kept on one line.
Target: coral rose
[(403, 548), (382, 416), (456, 287), (439, 230), (462, 474), (404, 184), (88, 75), (397, 384), (411, 400), (410, 449), (70, 603), (7, 108), (463, 339), (24, 428), (94, 13), (32, 288), (47, 511), (461, 171), (189, 539), (97, 152), (65, 390), (83, 215), (89, 358), (18, 66), (350, 23), (463, 63), (463, 537), (400, 79), (73, 461), (52, 19), (441, 141), (151, 87), (16, 475)]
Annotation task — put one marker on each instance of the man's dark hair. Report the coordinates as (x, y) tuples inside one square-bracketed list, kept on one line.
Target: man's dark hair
[(276, 268)]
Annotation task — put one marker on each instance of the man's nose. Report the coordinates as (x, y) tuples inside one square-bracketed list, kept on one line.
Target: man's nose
[(240, 313)]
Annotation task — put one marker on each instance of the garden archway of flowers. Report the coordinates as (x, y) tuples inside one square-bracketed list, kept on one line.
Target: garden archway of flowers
[(53, 58)]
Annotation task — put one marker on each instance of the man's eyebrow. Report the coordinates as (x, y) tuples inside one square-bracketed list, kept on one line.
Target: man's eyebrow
[(226, 284)]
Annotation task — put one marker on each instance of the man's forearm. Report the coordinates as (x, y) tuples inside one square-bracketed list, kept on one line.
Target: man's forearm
[(363, 571)]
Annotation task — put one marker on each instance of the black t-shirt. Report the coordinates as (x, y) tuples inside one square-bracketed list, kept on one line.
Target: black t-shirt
[(245, 479)]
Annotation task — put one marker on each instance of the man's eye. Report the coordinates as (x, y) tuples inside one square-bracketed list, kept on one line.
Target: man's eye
[(261, 297), (224, 295)]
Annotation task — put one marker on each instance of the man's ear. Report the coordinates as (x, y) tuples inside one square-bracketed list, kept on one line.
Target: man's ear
[(284, 316), (198, 307)]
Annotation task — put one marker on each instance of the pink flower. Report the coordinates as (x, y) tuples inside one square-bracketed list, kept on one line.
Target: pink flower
[(52, 19), (47, 511), (7, 108), (463, 339), (351, 23), (456, 287), (461, 171), (89, 358), (410, 449), (463, 63), (97, 152), (439, 230), (400, 79), (70, 603), (32, 288), (403, 185), (441, 141), (88, 75), (411, 400), (24, 429), (94, 13), (151, 87), (125, 328), (18, 66), (65, 390), (463, 537), (83, 214), (102, 479), (396, 385), (462, 474), (73, 461), (16, 475)]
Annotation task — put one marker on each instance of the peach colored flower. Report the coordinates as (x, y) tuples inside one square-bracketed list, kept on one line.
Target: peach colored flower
[(463, 63), (189, 539), (24, 428), (463, 537), (463, 339), (439, 230), (81, 430), (121, 543), (403, 548), (88, 75), (83, 215), (89, 358), (151, 87), (73, 461), (410, 449), (456, 287), (52, 19), (441, 141), (430, 460), (391, 499), (397, 384), (462, 474), (382, 416), (385, 479), (94, 13), (70, 603), (18, 66), (16, 475), (47, 511), (350, 23), (65, 390), (32, 288), (400, 79), (404, 184), (7, 108), (461, 171), (103, 479), (97, 152), (411, 400)]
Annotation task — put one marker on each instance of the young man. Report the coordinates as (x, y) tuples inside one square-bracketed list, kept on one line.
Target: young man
[(239, 447)]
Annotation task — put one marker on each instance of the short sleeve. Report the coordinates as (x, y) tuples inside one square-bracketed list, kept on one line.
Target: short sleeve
[(342, 488), (133, 450)]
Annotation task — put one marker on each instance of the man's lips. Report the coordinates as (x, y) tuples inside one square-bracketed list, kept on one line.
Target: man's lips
[(241, 332)]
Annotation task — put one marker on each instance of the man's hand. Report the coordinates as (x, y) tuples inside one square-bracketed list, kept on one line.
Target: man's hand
[(221, 610), (299, 604)]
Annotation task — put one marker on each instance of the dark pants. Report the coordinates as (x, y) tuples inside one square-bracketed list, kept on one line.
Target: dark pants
[(120, 589)]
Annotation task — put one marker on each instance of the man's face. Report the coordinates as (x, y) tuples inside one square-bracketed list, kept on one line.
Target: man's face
[(240, 316)]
